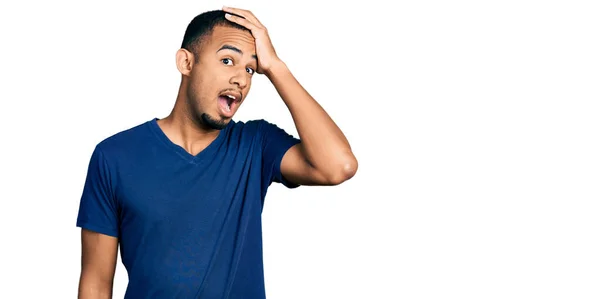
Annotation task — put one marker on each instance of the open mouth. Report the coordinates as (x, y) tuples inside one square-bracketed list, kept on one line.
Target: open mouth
[(228, 100)]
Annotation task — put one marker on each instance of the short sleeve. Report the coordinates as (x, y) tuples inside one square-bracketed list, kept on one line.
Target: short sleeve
[(98, 208), (276, 142)]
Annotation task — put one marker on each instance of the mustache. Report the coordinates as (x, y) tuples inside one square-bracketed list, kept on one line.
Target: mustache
[(237, 91)]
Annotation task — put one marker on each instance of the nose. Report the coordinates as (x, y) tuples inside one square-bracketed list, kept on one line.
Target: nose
[(240, 78)]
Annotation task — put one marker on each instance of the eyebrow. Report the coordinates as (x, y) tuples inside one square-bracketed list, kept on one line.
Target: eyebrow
[(232, 48)]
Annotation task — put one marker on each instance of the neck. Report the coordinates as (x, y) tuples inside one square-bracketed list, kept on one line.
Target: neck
[(179, 127)]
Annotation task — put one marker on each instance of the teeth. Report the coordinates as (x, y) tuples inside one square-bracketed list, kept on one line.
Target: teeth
[(231, 97)]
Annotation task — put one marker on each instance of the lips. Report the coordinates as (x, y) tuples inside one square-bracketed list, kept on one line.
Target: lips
[(231, 95)]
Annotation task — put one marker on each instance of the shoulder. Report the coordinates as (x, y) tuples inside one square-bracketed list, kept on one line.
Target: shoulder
[(122, 141), (260, 128), (250, 125), (264, 127)]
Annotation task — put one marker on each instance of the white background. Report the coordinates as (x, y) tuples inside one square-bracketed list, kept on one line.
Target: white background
[(475, 123)]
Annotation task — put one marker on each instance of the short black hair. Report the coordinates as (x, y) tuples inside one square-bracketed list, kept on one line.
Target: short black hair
[(202, 26)]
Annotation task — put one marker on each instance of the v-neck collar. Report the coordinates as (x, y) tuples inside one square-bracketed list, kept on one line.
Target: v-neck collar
[(194, 159)]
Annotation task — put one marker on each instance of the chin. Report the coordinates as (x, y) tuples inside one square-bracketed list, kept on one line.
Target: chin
[(215, 123)]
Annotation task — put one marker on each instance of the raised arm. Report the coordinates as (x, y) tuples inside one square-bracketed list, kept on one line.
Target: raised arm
[(324, 156), (98, 263)]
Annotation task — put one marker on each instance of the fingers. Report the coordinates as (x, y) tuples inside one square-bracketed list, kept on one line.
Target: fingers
[(241, 21), (244, 13)]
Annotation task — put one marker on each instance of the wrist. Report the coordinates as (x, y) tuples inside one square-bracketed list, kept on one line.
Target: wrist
[(276, 68)]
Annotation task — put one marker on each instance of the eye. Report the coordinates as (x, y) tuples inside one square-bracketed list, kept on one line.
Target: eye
[(227, 61), (250, 71)]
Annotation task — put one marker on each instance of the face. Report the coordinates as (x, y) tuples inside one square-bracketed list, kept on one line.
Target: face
[(218, 83)]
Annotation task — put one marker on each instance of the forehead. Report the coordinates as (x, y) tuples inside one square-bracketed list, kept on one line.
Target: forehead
[(224, 35)]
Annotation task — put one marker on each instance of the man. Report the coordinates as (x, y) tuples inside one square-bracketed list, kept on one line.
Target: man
[(182, 196)]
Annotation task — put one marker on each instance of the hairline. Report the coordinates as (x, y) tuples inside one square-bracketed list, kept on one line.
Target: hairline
[(196, 44)]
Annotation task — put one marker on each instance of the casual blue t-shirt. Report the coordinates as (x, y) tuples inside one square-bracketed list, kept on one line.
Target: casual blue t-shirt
[(188, 226)]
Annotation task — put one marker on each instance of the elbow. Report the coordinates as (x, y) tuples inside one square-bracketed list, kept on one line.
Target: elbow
[(345, 170)]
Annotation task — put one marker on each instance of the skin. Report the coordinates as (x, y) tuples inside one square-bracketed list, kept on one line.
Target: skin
[(98, 264), (324, 156), (228, 60)]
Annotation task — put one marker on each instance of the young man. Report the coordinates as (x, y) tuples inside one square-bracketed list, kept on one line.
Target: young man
[(182, 196)]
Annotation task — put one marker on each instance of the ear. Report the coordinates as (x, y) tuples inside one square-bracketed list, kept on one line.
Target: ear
[(185, 61)]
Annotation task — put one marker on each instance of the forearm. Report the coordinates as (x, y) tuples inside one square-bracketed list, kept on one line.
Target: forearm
[(325, 146)]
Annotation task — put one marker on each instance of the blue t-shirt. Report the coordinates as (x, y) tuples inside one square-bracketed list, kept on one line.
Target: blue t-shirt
[(188, 226)]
